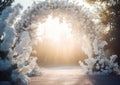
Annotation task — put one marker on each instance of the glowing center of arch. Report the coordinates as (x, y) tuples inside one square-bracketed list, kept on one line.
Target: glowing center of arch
[(59, 39), (54, 30)]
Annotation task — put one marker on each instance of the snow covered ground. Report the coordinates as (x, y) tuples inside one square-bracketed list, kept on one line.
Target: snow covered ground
[(71, 76)]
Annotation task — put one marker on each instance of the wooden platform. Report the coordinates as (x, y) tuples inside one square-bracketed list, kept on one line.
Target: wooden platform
[(71, 76)]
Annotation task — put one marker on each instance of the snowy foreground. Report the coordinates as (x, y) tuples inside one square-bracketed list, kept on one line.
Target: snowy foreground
[(71, 76)]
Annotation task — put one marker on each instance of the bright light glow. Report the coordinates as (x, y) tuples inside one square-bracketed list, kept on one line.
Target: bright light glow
[(53, 30), (57, 41)]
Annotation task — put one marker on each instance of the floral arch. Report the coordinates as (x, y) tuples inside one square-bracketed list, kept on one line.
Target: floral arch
[(19, 35)]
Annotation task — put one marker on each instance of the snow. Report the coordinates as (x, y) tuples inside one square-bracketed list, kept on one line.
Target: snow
[(94, 46), (19, 78), (17, 38), (25, 3), (17, 44), (23, 42), (8, 40)]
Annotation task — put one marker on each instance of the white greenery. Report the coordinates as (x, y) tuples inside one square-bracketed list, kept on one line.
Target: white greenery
[(100, 64), (18, 43), (17, 32)]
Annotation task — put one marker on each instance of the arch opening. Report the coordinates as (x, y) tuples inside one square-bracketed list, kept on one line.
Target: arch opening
[(59, 41)]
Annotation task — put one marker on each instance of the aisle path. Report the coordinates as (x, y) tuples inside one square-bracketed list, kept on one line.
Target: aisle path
[(71, 76)]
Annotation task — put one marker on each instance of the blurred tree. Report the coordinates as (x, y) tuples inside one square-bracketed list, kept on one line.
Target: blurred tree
[(114, 35), (4, 4), (111, 15)]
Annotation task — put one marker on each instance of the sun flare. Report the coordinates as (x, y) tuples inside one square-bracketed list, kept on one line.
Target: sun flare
[(54, 30), (58, 39)]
